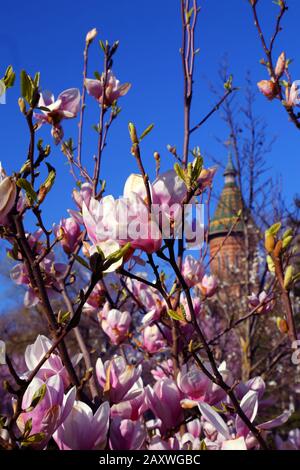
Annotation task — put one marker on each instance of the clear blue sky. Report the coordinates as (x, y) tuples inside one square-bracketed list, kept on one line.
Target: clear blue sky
[(49, 37)]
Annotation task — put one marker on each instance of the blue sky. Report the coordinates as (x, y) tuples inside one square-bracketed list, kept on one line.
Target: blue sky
[(49, 37)]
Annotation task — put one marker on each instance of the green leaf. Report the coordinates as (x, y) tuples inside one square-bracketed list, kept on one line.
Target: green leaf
[(33, 439), (146, 131), (175, 315), (189, 15), (197, 168), (81, 261), (63, 317), (202, 445), (36, 79), (228, 83), (28, 428), (26, 87), (114, 48), (30, 192), (9, 77), (38, 396), (116, 256), (97, 74), (179, 171), (2, 421), (102, 45)]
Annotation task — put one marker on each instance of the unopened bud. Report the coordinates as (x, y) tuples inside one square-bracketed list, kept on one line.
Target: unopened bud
[(268, 88), (288, 277), (270, 263), (287, 233), (132, 133), (286, 241), (281, 65), (278, 248), (22, 105), (282, 325), (269, 242), (91, 36)]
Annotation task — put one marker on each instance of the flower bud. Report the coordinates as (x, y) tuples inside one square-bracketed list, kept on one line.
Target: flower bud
[(286, 241), (282, 325), (132, 133), (91, 36), (288, 277), (22, 105), (268, 88), (269, 242), (270, 263), (278, 248), (280, 66), (8, 193)]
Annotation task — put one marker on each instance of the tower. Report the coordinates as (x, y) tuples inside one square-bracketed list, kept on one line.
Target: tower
[(226, 232)]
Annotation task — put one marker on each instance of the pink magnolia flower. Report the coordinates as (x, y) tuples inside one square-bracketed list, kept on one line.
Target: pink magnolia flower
[(262, 298), (292, 95), (52, 272), (192, 271), (216, 394), (126, 434), (116, 325), (116, 378), (194, 385), (8, 194), (239, 437), (168, 189), (149, 298), (206, 177), (194, 427), (164, 370), (168, 193), (113, 89), (69, 233), (124, 220), (83, 195), (291, 443), (208, 285), (157, 443), (54, 111), (83, 430), (190, 440), (153, 339), (164, 401), (132, 405), (35, 352), (135, 184), (95, 300), (50, 412)]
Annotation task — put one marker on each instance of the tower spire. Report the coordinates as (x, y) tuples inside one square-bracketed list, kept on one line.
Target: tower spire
[(230, 172)]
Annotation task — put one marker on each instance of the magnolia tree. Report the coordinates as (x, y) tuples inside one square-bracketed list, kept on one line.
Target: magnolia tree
[(138, 267)]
